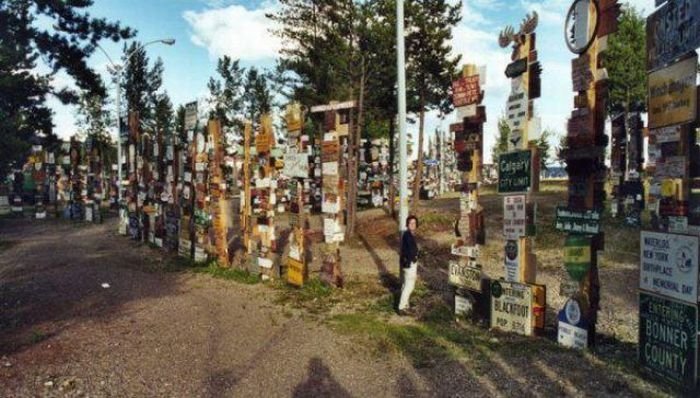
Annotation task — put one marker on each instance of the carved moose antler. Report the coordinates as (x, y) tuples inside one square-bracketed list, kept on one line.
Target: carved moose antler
[(529, 23), (506, 36), (527, 26)]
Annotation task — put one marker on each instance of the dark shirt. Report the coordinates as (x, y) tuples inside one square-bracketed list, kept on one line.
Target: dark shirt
[(409, 249)]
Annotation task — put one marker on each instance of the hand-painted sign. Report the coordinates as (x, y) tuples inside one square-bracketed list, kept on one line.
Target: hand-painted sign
[(466, 91), (668, 339), (669, 265), (585, 222), (673, 94), (581, 73), (511, 307), (514, 172), (672, 31), (465, 276), (514, 216), (296, 165)]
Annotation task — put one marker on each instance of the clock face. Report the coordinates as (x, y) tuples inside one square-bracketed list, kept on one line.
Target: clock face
[(581, 25)]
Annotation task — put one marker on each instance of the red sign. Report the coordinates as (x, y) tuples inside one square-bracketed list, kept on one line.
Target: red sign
[(466, 91)]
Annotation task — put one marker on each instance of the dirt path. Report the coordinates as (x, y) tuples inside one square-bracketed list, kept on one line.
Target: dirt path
[(182, 334)]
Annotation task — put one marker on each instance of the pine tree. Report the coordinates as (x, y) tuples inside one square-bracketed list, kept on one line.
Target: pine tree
[(430, 66), (93, 122), (141, 84), (226, 93), (627, 74), (257, 98), (501, 144), (64, 41)]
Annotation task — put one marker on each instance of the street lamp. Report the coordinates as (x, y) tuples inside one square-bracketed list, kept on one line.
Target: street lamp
[(117, 70)]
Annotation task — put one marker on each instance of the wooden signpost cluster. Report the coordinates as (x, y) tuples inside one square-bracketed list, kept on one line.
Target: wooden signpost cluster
[(337, 168), (465, 272), (668, 281), (296, 168), (588, 25), (259, 198), (517, 302), (626, 166)]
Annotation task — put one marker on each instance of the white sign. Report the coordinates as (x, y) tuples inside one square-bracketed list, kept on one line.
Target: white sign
[(572, 336), (296, 165), (511, 307), (329, 168), (512, 260), (514, 216), (463, 305), (669, 265)]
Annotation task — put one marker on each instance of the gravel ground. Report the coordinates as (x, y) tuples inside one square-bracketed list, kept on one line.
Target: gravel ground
[(63, 332)]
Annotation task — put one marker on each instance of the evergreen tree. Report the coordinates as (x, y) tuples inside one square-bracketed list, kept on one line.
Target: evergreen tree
[(64, 40), (226, 93), (544, 148), (257, 99), (626, 67), (93, 122), (501, 144), (141, 84), (430, 66), (180, 124), (163, 113)]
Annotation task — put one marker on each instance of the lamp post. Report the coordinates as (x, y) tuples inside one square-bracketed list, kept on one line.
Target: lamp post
[(117, 70), (401, 83)]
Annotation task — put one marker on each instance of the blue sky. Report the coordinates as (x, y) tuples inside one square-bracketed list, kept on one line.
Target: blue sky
[(207, 29)]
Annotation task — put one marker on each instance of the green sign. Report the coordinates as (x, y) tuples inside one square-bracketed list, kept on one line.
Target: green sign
[(577, 256), (668, 333), (514, 172), (577, 221)]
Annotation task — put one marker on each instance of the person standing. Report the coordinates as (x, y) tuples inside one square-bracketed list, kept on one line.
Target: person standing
[(409, 262)]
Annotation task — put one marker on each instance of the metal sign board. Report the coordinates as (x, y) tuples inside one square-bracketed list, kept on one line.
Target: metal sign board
[(511, 307), (673, 93), (668, 339), (334, 107), (190, 115), (672, 31), (516, 68), (512, 260), (465, 276), (585, 221), (514, 172), (572, 328), (514, 216), (669, 265), (577, 256), (295, 272)]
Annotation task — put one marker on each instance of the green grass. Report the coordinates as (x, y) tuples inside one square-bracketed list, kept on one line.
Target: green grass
[(231, 274), (315, 296)]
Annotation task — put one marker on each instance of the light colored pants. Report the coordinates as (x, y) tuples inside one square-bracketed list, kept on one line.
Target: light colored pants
[(409, 282)]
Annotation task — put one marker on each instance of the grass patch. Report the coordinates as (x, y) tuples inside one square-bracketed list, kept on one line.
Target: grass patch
[(315, 296), (231, 274)]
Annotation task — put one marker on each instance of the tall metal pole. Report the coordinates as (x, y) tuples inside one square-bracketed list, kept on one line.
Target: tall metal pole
[(119, 142), (401, 77)]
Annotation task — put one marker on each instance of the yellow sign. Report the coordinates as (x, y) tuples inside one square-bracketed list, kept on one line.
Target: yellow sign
[(577, 254), (295, 272), (672, 94)]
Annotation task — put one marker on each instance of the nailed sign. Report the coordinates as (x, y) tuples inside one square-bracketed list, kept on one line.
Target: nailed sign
[(190, 115), (511, 307), (673, 94), (672, 31), (514, 216), (516, 68), (466, 91), (668, 339), (577, 256), (296, 165), (465, 276), (669, 265), (514, 171), (586, 221)]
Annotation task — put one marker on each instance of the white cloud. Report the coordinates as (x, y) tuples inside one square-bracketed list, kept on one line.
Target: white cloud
[(552, 12), (234, 31)]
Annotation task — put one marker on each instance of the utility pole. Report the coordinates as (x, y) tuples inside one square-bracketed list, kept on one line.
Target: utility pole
[(401, 77)]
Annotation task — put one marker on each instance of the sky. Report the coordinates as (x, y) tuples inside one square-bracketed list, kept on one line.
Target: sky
[(205, 30)]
